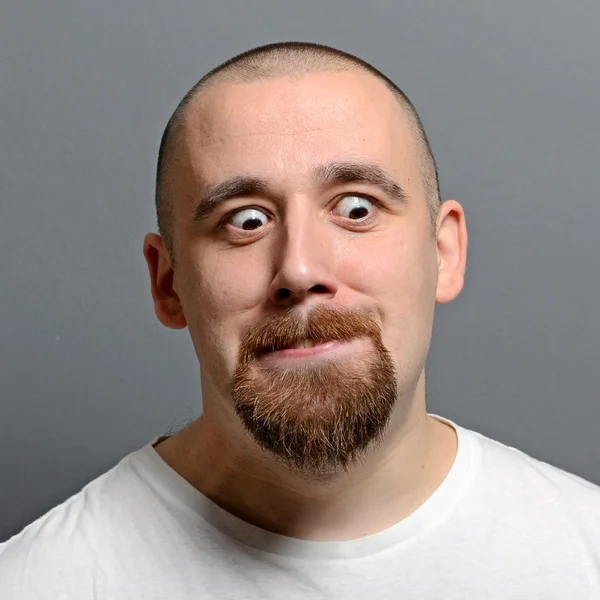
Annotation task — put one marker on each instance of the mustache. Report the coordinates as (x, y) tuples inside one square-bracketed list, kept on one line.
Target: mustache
[(320, 325)]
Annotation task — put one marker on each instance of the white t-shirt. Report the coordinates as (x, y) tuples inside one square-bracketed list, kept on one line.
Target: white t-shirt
[(501, 525)]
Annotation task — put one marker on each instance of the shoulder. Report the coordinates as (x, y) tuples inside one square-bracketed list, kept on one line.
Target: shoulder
[(509, 457), (532, 485), (58, 553)]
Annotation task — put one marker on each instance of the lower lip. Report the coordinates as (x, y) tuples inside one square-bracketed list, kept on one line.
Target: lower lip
[(307, 352)]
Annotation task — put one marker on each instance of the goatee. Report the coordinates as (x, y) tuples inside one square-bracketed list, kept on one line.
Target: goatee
[(319, 417)]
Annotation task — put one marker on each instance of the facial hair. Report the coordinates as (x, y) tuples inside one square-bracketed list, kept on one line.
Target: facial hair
[(317, 417)]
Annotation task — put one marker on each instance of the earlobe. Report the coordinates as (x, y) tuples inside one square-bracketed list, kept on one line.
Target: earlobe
[(167, 304), (452, 242)]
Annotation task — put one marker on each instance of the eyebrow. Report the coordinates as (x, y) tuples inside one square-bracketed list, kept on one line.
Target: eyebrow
[(235, 187), (338, 173)]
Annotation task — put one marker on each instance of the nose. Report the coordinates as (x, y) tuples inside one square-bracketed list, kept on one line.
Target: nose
[(303, 264)]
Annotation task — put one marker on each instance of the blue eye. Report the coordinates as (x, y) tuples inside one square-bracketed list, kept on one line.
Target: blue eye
[(356, 208), (249, 219)]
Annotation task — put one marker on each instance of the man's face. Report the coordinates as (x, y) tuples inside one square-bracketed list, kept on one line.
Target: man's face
[(292, 224)]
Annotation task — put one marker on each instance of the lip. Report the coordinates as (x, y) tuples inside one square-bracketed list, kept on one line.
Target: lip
[(307, 352)]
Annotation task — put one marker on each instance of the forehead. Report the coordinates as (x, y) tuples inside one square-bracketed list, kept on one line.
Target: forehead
[(283, 128)]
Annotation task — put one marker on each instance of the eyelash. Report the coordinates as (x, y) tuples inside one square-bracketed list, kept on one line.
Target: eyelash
[(224, 220)]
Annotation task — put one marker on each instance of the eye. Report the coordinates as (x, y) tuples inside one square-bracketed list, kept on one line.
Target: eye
[(248, 219), (355, 208)]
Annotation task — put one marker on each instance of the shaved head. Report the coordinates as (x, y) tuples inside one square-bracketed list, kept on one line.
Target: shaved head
[(287, 59)]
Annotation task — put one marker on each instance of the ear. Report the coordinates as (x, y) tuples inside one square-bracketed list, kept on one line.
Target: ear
[(167, 303), (452, 244)]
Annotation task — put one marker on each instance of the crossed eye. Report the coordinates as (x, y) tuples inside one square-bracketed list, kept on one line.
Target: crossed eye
[(249, 218), (355, 208)]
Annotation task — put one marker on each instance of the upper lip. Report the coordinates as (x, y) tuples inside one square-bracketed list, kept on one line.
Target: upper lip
[(305, 343), (298, 343)]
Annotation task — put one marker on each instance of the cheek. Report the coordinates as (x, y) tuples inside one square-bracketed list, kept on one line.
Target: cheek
[(217, 292), (400, 277), (390, 268), (225, 285)]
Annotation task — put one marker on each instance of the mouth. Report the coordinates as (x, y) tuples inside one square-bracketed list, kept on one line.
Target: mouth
[(305, 349), (302, 344)]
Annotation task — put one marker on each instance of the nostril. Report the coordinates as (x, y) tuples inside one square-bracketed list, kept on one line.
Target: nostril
[(319, 289), (283, 294)]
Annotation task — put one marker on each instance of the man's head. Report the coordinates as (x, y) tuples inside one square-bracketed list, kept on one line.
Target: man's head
[(292, 59), (298, 206)]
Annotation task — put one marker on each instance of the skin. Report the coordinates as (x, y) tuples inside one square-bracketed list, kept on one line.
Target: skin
[(226, 279)]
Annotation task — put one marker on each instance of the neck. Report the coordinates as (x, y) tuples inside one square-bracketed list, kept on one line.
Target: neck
[(387, 485)]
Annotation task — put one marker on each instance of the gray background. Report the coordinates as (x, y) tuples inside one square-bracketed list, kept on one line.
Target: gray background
[(509, 93)]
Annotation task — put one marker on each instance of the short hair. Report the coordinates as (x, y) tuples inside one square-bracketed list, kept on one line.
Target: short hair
[(277, 60)]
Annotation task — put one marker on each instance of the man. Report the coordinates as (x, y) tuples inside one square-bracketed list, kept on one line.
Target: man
[(304, 245)]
